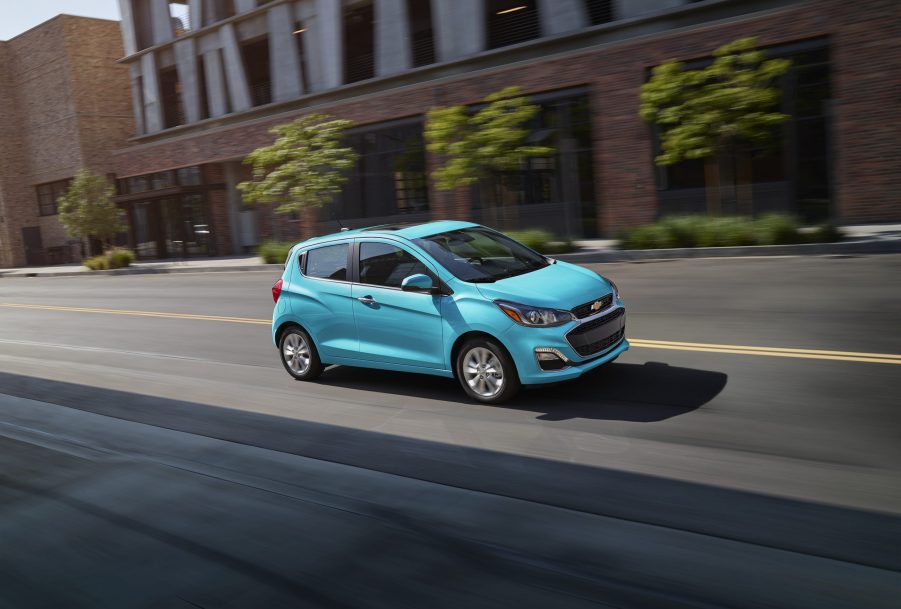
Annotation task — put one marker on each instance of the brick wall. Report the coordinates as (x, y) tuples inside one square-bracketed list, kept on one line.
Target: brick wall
[(64, 105), (866, 59)]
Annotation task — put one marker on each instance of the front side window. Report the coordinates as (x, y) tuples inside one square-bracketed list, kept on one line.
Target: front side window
[(329, 262), (479, 255), (387, 265)]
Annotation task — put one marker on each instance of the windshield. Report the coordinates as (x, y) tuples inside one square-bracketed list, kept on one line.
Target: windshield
[(479, 255)]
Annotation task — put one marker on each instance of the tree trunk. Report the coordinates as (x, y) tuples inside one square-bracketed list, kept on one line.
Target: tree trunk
[(727, 164), (744, 189), (712, 181)]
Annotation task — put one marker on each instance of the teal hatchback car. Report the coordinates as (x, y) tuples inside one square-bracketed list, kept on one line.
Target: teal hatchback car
[(447, 298)]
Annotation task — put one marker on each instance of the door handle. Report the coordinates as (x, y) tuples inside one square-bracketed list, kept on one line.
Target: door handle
[(366, 300)]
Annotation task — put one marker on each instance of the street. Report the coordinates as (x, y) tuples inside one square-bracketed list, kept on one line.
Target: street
[(744, 452)]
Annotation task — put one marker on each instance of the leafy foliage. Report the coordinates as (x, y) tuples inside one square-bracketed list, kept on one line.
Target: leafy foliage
[(115, 258), (303, 167), (274, 252), (701, 111), (87, 209), (704, 231), (542, 241), (490, 139)]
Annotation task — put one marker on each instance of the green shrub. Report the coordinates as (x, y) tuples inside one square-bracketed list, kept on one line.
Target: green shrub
[(274, 252), (542, 241), (704, 231), (115, 258)]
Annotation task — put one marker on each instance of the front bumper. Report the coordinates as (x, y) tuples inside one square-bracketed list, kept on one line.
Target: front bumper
[(522, 341)]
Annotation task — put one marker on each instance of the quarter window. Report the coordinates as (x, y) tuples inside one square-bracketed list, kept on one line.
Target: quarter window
[(329, 262), (387, 265)]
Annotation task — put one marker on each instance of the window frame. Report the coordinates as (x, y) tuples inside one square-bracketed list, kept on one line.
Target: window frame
[(358, 243), (57, 189), (303, 258)]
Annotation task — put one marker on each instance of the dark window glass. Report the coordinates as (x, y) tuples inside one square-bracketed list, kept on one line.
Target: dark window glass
[(256, 65), (478, 255), (170, 91), (422, 38), (387, 265), (359, 43), (329, 262), (300, 35), (511, 22), (599, 11), (189, 176), (49, 194)]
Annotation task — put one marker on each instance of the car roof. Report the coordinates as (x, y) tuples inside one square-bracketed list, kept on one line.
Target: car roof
[(405, 230)]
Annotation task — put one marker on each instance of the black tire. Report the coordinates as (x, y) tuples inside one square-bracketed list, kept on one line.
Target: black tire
[(480, 382), (300, 367)]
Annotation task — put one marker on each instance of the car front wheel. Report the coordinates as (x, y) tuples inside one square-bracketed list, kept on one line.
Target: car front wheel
[(299, 355), (486, 372)]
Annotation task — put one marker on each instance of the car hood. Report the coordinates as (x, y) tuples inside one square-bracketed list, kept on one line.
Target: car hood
[(558, 286)]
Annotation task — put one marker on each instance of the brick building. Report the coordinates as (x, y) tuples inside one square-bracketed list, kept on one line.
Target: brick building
[(64, 105), (210, 78)]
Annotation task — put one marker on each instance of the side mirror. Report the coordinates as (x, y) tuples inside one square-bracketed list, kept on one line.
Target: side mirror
[(417, 283)]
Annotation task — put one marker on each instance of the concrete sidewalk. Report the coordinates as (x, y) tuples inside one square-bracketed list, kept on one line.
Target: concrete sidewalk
[(861, 240)]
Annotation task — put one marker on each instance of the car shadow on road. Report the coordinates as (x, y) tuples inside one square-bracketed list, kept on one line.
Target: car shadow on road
[(640, 393)]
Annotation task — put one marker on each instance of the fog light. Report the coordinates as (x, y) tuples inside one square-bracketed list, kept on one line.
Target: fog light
[(550, 358)]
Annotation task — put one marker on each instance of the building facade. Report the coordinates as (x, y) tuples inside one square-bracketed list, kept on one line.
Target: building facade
[(210, 78), (64, 105)]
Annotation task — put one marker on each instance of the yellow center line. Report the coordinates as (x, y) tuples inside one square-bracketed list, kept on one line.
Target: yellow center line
[(820, 354), (237, 320)]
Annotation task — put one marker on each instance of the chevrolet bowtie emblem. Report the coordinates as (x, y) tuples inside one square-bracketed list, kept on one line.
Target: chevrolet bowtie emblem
[(596, 305)]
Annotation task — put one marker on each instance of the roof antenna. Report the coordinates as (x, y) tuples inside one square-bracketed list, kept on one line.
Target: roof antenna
[(338, 220)]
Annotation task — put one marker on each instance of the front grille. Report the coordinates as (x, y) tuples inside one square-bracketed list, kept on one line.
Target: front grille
[(597, 323), (601, 345), (583, 311)]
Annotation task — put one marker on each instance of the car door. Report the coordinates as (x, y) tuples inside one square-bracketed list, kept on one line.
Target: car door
[(394, 326), (321, 299)]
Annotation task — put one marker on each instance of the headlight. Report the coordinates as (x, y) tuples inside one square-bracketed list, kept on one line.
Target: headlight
[(525, 315), (616, 292)]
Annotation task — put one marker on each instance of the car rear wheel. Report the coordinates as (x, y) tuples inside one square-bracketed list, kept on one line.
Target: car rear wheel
[(299, 355), (486, 372)]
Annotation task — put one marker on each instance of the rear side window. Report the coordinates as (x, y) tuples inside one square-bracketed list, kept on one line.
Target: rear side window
[(387, 265), (329, 262)]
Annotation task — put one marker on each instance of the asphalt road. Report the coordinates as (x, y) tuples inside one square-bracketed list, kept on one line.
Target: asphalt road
[(698, 430)]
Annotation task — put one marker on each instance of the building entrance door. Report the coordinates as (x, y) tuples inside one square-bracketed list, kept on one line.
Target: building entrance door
[(34, 245)]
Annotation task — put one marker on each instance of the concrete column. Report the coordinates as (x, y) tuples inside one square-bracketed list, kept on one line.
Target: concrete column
[(195, 13), (235, 78), (393, 47), (284, 61), (153, 103), (129, 42), (137, 97), (242, 6), (216, 94), (625, 9), (186, 64), (459, 28), (162, 21), (330, 48), (562, 16)]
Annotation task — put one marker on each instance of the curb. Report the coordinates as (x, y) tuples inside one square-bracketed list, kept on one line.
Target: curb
[(873, 246)]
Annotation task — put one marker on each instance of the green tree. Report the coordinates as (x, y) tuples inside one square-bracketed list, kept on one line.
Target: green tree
[(473, 146), (87, 210), (303, 167), (717, 113)]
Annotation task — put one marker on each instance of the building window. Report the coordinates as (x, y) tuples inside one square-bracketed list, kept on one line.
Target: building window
[(359, 42), (300, 36), (599, 11), (49, 194), (142, 19), (790, 174), (190, 176), (422, 38), (170, 92), (511, 22), (256, 65), (390, 175)]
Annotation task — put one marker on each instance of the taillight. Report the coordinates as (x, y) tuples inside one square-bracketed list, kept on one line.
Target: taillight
[(276, 290)]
